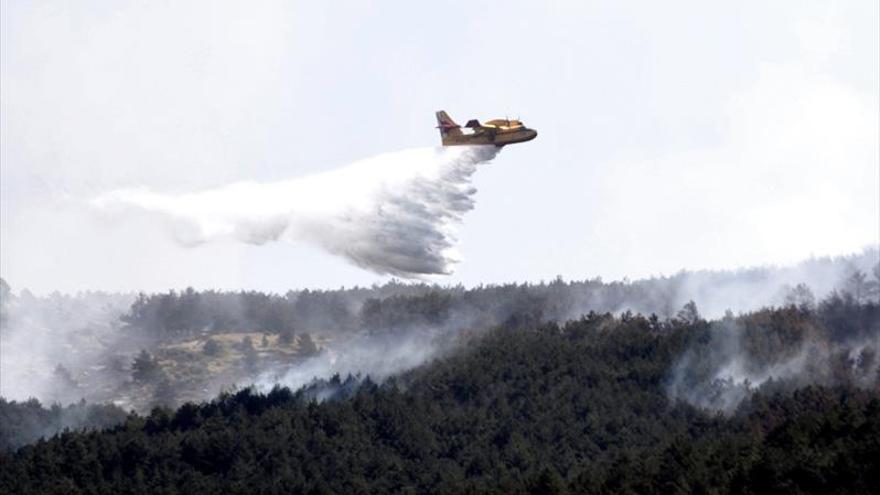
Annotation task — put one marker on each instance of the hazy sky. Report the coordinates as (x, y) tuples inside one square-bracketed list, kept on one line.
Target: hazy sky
[(671, 134)]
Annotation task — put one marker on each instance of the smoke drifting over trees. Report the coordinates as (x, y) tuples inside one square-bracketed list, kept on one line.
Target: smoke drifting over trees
[(834, 344), (26, 422), (451, 387), (545, 408), (61, 347), (138, 351)]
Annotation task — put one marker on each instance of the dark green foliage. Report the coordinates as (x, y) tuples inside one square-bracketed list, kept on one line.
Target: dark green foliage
[(250, 356), (26, 422), (165, 394), (576, 408), (286, 337), (800, 296), (397, 307), (689, 313), (212, 348), (145, 369), (188, 313), (307, 345)]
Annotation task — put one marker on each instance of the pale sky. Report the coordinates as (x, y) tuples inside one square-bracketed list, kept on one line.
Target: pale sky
[(672, 135)]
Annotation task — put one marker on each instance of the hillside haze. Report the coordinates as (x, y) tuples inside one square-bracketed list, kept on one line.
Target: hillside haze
[(596, 405), (142, 350)]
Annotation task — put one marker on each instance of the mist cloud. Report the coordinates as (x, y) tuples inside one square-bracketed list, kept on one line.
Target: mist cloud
[(395, 213), (740, 357), (55, 348)]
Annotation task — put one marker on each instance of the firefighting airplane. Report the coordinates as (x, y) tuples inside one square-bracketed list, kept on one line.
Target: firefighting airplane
[(499, 132)]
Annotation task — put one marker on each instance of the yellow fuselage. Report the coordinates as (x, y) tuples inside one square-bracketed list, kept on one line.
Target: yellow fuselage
[(498, 132), (499, 136)]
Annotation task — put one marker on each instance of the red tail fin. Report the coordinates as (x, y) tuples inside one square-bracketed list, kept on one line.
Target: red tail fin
[(446, 125)]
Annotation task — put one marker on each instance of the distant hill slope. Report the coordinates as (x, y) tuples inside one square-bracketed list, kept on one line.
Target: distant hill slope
[(396, 305), (63, 348), (583, 408)]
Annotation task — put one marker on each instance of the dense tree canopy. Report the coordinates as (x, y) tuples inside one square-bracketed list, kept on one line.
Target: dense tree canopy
[(580, 407)]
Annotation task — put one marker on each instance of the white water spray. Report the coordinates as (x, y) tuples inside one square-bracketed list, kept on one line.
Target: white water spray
[(395, 213)]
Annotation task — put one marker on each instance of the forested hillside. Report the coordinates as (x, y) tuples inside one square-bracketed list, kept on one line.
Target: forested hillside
[(138, 351), (26, 422), (600, 404), (396, 305)]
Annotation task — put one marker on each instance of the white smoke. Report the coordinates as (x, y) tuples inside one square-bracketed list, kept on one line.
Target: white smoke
[(395, 213), (78, 333), (377, 357), (720, 373)]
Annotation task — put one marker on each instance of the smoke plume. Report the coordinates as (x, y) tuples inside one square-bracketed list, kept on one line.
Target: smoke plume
[(61, 347), (395, 213), (375, 356), (809, 347)]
